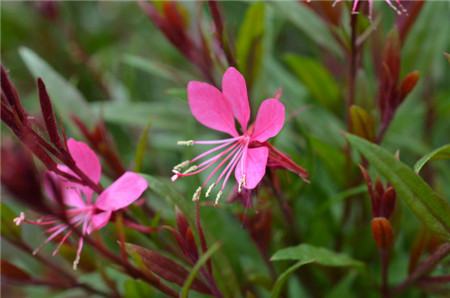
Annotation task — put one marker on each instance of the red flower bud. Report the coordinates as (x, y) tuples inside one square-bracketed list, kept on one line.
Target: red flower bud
[(382, 232), (408, 84)]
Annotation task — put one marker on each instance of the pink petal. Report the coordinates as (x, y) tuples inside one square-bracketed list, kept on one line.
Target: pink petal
[(98, 221), (85, 159), (210, 107), (269, 120), (235, 91), (71, 195), (255, 167), (124, 191)]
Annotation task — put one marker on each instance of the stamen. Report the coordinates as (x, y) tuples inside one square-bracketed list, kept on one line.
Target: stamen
[(210, 188), (181, 165), (219, 194), (241, 183), (186, 143), (20, 219), (191, 169), (61, 243), (77, 258), (197, 194), (175, 177)]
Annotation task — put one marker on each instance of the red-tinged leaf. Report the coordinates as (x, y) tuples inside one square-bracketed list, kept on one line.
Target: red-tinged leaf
[(166, 268), (13, 272), (191, 246), (47, 113), (388, 202), (182, 222), (11, 95), (406, 21)]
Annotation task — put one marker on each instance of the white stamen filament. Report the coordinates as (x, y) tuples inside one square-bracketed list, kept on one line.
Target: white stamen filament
[(191, 169)]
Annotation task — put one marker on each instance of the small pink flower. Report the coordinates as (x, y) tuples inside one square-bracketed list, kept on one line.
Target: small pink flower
[(245, 153), (398, 7), (81, 211)]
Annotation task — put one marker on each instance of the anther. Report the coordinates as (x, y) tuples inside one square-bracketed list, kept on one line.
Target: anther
[(241, 183), (174, 177), (20, 219), (219, 194), (210, 188), (197, 194), (179, 166), (75, 262), (186, 143), (191, 169)]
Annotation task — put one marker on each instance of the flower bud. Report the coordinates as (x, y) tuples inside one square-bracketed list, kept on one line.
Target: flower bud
[(388, 202), (408, 84), (382, 232)]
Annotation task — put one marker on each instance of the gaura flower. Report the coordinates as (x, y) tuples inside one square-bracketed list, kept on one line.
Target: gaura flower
[(397, 7), (81, 211), (246, 153)]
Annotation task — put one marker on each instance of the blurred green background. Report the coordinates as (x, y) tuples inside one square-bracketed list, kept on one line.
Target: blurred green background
[(126, 72)]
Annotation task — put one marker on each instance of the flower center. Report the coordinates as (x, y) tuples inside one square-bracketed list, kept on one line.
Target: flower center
[(223, 160)]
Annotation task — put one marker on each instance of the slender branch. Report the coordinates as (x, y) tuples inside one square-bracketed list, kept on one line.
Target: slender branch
[(423, 269), (384, 255)]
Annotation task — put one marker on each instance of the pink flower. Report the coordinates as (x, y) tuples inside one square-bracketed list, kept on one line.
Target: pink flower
[(398, 7), (81, 211), (245, 153)]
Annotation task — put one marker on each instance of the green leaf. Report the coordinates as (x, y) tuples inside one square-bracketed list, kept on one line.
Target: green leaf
[(317, 79), (249, 46), (307, 254), (67, 99), (165, 189), (154, 68), (141, 149), (438, 154), (200, 263), (281, 280), (426, 204), (308, 22)]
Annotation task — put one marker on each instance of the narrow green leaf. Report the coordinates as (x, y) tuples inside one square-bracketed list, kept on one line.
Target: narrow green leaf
[(154, 68), (307, 254), (308, 22), (200, 263), (438, 154), (318, 255), (249, 46), (141, 149), (66, 98), (316, 78), (426, 204), (281, 280)]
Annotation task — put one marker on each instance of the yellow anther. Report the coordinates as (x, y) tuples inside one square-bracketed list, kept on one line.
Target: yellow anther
[(191, 169), (242, 182)]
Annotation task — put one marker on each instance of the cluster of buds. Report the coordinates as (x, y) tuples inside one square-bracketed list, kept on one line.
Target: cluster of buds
[(188, 251), (392, 90), (383, 204), (170, 19)]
